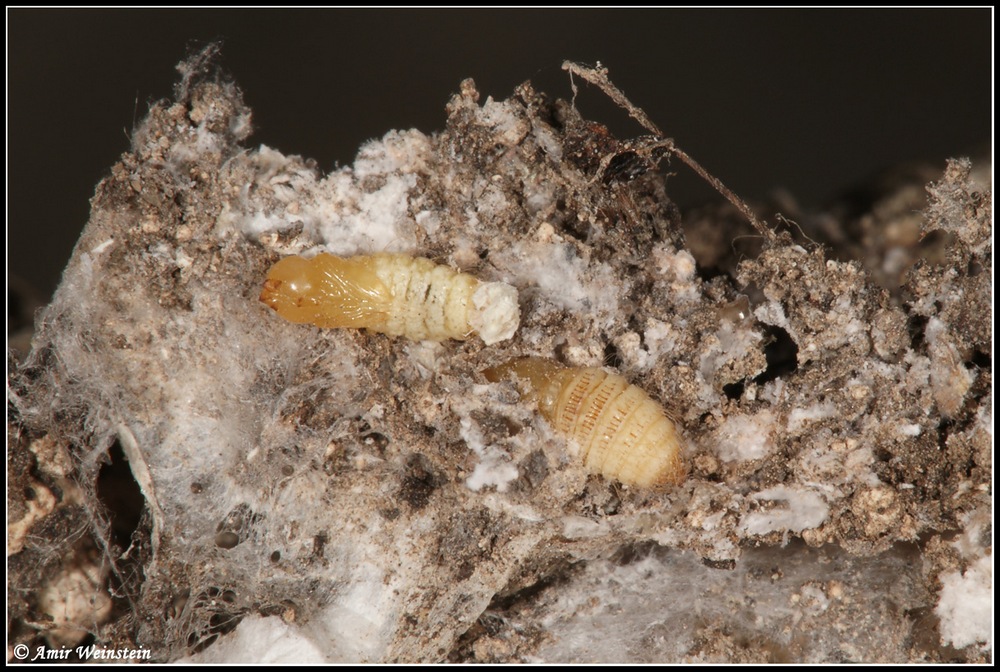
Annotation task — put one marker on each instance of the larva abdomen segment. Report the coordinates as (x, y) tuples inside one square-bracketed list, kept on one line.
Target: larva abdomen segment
[(620, 432), (393, 294), (430, 302)]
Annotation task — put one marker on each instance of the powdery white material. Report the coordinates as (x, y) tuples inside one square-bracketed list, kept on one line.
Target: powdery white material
[(494, 467), (666, 607), (492, 470), (102, 247), (361, 222), (539, 196), (578, 527), (358, 625), (490, 201), (813, 600), (425, 355), (842, 328), (773, 392), (730, 343), (549, 142), (428, 221), (800, 417), (950, 380), (660, 337), (641, 353), (832, 460), (772, 313), (918, 374), (503, 119), (359, 210), (397, 151), (287, 177), (563, 277), (745, 437), (965, 606), (497, 314), (680, 268), (984, 420), (266, 641), (803, 510), (976, 526)]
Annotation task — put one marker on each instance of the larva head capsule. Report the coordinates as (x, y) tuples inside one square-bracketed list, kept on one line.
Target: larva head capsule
[(619, 431), (286, 283)]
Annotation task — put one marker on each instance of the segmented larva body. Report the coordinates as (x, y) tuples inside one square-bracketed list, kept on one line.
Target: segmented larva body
[(393, 294), (621, 433)]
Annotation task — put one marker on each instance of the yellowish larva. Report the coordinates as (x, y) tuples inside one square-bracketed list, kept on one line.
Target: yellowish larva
[(621, 433), (393, 294)]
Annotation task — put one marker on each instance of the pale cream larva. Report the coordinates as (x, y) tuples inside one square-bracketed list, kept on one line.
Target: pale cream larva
[(620, 432), (393, 294)]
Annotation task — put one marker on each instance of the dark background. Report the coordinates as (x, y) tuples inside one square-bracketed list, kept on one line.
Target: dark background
[(810, 100)]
